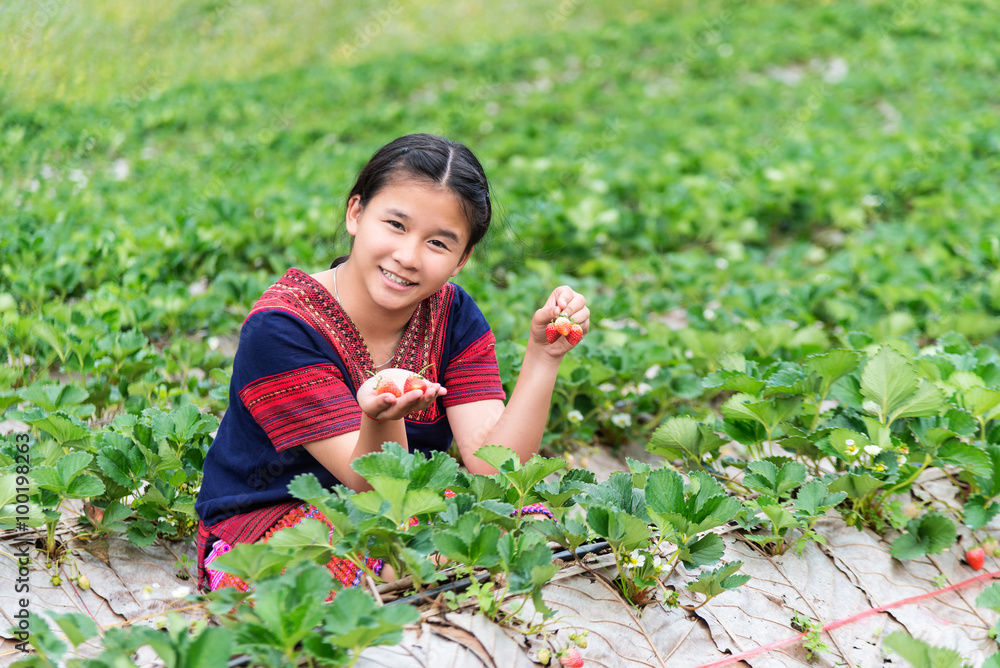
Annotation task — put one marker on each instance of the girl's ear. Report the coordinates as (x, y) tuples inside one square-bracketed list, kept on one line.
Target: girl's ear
[(353, 214), (461, 264)]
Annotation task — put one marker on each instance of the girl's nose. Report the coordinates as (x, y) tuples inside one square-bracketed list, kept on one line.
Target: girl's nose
[(406, 253)]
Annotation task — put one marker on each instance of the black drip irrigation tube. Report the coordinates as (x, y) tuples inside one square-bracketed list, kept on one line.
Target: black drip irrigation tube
[(460, 585)]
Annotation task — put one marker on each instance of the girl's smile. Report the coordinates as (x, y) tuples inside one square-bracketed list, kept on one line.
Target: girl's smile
[(409, 240)]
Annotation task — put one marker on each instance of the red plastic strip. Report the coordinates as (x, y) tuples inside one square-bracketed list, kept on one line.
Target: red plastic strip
[(729, 660)]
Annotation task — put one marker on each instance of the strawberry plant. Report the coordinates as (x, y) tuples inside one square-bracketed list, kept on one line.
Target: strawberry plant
[(786, 517)]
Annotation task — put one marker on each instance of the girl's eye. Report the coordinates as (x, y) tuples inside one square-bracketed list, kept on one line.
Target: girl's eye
[(395, 223), (440, 244)]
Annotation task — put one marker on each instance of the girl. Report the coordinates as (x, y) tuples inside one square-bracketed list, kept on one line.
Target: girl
[(303, 397)]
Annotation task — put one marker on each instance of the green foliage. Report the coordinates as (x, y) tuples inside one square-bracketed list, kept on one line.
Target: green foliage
[(928, 534)]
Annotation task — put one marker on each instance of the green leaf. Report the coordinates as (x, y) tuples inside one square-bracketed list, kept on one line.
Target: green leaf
[(766, 478), (814, 500), (211, 648), (497, 456), (920, 654), (980, 510), (84, 486), (832, 365), (77, 626), (966, 456), (624, 532), (65, 429), (928, 534), (891, 381), (714, 582), (855, 486), (703, 551), (989, 598), (251, 562), (72, 464)]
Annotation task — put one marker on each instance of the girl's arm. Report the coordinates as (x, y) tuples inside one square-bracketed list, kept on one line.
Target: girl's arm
[(520, 424), (337, 453)]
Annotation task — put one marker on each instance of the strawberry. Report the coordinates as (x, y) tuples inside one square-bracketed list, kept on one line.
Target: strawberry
[(551, 333), (990, 547), (414, 382), (975, 557), (544, 656), (563, 324), (571, 658), (575, 334), (386, 386)]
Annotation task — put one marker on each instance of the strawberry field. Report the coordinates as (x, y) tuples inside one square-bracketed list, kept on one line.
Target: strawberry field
[(779, 444)]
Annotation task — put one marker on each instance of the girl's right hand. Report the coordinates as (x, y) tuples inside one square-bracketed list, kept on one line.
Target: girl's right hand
[(387, 406)]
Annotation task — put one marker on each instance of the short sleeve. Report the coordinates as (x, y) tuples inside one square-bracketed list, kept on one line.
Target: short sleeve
[(292, 382), (472, 373)]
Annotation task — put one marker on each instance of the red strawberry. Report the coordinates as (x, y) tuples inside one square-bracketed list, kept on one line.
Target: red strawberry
[(562, 324), (384, 386), (975, 557), (551, 333), (414, 382), (571, 658), (575, 334)]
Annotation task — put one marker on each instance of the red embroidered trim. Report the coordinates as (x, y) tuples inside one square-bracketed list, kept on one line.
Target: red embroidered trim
[(302, 406), (421, 346), (473, 375)]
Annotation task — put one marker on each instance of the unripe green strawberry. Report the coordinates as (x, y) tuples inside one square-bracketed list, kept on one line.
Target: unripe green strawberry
[(83, 581), (544, 656), (990, 547), (579, 639)]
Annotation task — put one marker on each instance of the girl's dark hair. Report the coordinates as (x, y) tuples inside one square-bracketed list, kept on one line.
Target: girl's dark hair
[(441, 161)]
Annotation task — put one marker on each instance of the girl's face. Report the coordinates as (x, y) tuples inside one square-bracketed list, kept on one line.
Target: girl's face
[(408, 241)]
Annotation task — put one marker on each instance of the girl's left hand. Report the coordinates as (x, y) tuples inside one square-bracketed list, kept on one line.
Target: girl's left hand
[(562, 301)]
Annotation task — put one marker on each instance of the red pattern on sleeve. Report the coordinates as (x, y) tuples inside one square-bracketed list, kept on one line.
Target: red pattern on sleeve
[(302, 405), (473, 375)]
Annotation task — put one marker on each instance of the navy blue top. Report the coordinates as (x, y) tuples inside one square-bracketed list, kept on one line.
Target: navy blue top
[(295, 377)]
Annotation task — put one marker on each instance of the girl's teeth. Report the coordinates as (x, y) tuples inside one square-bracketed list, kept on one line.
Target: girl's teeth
[(395, 279)]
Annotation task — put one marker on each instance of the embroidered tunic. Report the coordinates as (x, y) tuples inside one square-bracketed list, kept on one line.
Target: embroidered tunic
[(295, 377)]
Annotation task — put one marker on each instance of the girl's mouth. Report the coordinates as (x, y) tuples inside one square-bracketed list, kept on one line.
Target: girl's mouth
[(395, 279)]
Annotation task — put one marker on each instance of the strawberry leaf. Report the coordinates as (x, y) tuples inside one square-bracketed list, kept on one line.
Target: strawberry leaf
[(920, 654), (714, 582), (929, 534)]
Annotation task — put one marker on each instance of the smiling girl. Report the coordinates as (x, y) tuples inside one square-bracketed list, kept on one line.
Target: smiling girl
[(302, 397)]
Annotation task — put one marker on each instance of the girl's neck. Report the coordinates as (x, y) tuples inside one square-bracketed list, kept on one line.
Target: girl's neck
[(380, 328)]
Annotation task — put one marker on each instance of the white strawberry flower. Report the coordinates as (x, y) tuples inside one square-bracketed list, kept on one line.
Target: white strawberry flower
[(607, 388), (576, 417), (852, 450), (621, 420), (849, 441), (901, 459), (652, 372), (872, 450), (634, 560), (643, 389)]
